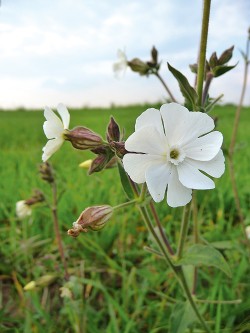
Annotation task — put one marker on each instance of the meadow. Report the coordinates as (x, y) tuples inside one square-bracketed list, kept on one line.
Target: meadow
[(114, 285)]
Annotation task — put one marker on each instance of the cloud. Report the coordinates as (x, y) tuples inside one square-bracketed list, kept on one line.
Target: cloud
[(54, 51)]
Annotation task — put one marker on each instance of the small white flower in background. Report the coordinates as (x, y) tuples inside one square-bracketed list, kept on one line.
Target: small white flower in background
[(22, 209), (248, 231), (54, 128), (167, 150), (120, 66)]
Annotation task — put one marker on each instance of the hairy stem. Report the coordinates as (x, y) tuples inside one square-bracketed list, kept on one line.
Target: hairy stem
[(158, 223), (202, 51), (196, 236), (209, 79), (57, 230), (184, 229), (165, 86)]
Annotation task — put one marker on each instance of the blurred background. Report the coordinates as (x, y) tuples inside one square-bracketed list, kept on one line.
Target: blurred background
[(63, 51)]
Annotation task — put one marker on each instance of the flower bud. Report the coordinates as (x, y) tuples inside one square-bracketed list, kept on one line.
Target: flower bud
[(83, 138), (93, 218), (154, 55), (30, 286), (248, 231), (213, 61), (46, 172), (139, 66), (23, 210), (86, 164), (194, 68), (226, 56), (99, 163), (113, 131)]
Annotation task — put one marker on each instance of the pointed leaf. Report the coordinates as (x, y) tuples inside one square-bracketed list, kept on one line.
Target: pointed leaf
[(205, 255), (125, 182), (182, 316), (187, 90)]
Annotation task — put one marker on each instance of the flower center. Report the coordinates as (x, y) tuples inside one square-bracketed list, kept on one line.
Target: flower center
[(176, 155)]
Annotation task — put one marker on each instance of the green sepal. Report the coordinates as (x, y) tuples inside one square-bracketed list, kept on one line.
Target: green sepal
[(204, 255), (220, 70), (125, 182), (186, 89)]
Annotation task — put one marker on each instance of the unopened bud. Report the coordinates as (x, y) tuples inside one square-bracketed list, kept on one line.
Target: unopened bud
[(194, 68), (99, 163), (86, 164), (213, 61), (37, 197), (46, 171), (154, 54), (226, 56), (139, 66), (93, 218), (248, 231), (83, 138), (23, 210), (113, 131), (30, 286)]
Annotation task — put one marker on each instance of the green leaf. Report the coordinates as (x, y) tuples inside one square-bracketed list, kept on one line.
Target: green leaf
[(220, 70), (181, 317), (205, 255), (187, 90), (125, 182)]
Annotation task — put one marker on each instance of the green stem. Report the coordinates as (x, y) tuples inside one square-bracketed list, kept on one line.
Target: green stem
[(125, 204), (191, 301), (158, 223), (184, 229), (196, 237), (203, 47), (143, 192), (57, 230), (165, 86)]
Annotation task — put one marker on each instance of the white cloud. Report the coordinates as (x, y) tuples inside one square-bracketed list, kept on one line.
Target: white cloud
[(63, 51)]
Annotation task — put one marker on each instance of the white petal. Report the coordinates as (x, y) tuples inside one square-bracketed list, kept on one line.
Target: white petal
[(214, 167), (52, 130), (147, 140), (64, 113), (150, 117), (177, 194), (204, 148), (51, 147), (136, 165), (192, 178), (157, 177), (182, 126), (53, 127)]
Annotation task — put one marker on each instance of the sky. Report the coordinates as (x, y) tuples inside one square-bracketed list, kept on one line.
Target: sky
[(64, 50)]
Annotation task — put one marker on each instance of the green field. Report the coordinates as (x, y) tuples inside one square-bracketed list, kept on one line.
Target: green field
[(117, 287)]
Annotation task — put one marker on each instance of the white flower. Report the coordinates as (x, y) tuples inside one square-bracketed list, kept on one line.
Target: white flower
[(120, 66), (248, 231), (54, 128), (22, 209), (168, 148)]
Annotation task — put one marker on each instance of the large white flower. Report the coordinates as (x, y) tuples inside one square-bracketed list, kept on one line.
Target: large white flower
[(54, 128), (22, 209), (120, 66), (168, 149)]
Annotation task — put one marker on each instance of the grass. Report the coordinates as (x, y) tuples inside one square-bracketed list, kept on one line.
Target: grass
[(115, 285)]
